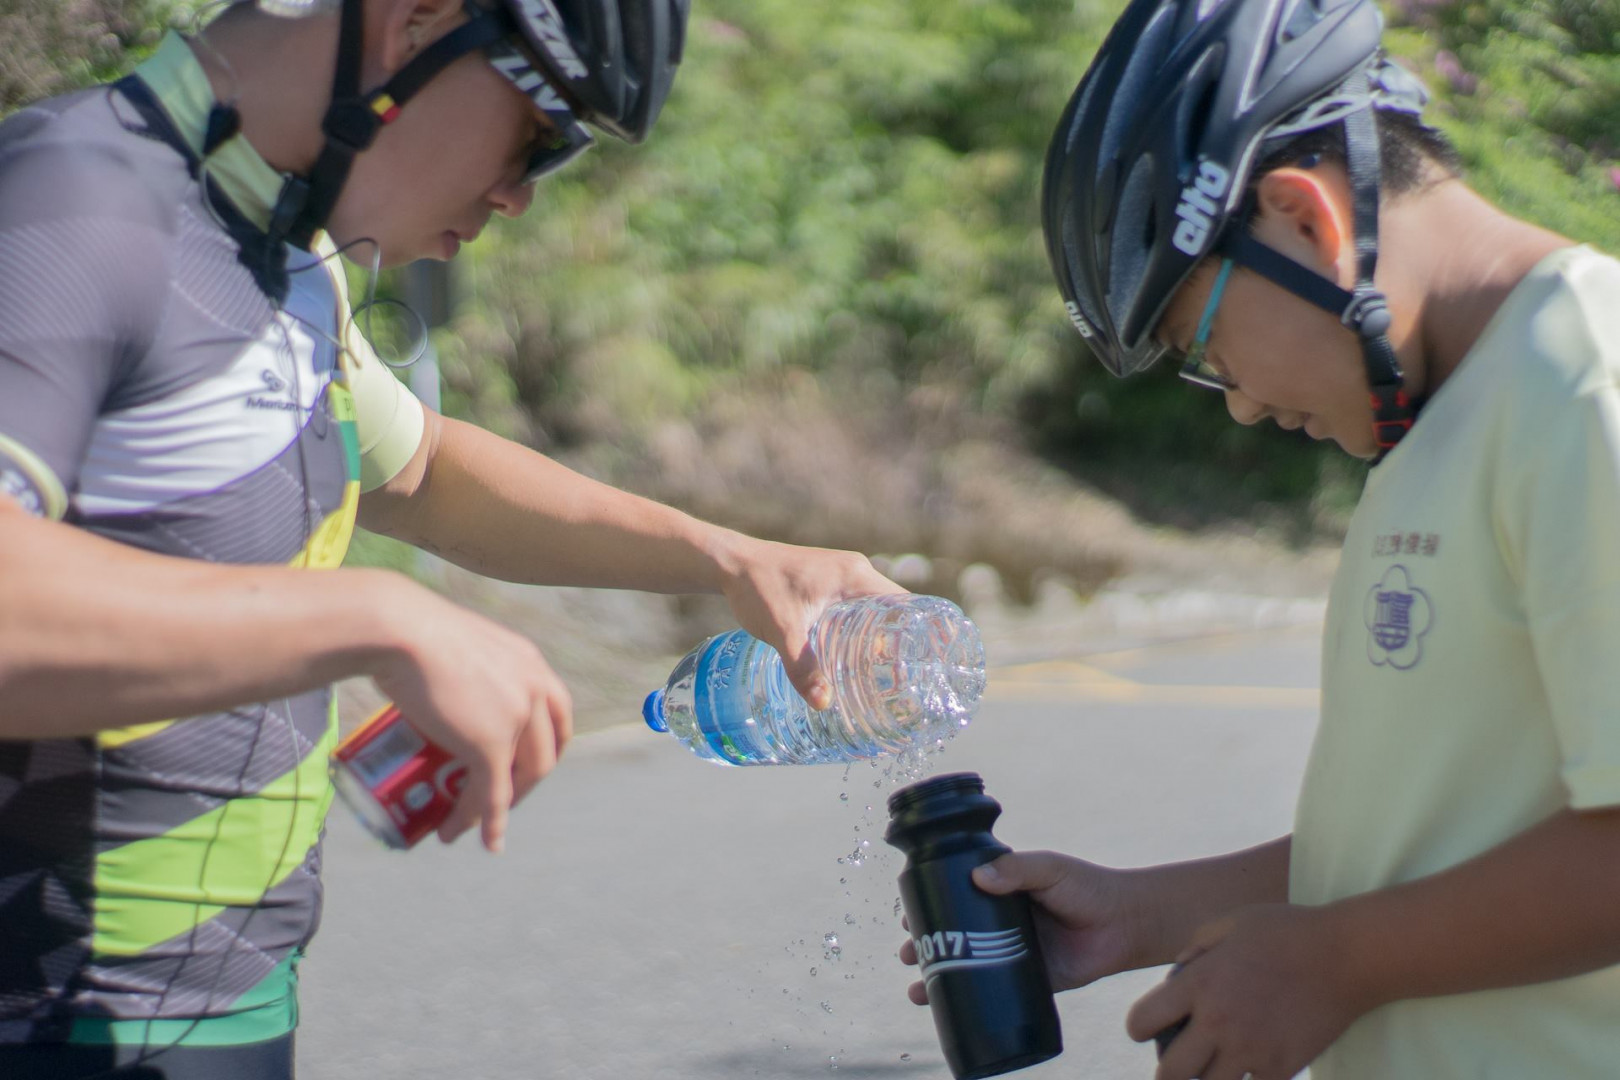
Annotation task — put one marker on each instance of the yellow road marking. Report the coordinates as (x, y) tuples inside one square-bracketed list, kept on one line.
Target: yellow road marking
[(1071, 680)]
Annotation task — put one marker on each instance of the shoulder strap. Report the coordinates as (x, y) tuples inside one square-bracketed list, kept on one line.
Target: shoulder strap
[(263, 258)]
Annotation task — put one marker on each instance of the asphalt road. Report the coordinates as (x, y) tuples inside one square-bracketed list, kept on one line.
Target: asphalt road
[(658, 916)]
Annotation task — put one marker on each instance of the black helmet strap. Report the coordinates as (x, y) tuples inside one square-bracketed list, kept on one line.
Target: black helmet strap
[(353, 119), (1366, 311)]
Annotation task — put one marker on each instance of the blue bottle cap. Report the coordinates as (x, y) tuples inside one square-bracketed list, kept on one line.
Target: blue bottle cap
[(652, 711)]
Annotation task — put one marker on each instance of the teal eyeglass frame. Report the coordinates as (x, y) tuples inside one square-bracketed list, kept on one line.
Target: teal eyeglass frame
[(1195, 369)]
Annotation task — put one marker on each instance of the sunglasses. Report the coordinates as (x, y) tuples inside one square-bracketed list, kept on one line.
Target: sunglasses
[(564, 137), (555, 148), (1195, 369)]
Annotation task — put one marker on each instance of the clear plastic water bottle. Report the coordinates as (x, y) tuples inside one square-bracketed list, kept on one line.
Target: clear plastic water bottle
[(904, 669)]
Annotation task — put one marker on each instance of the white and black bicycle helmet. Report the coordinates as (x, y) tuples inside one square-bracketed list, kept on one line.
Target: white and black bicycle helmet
[(1149, 169), (607, 63)]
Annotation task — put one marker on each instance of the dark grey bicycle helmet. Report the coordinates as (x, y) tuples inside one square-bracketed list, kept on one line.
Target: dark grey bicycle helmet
[(613, 60), (608, 63), (1149, 168)]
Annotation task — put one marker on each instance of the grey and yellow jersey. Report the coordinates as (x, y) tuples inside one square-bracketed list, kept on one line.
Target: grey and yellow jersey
[(159, 388)]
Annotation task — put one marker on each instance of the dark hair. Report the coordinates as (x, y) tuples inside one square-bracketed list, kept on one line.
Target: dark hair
[(1407, 150)]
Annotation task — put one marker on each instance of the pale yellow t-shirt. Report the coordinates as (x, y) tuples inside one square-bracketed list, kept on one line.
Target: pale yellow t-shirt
[(1471, 667)]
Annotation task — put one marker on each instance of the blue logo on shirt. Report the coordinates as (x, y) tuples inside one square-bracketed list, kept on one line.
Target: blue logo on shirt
[(1397, 614)]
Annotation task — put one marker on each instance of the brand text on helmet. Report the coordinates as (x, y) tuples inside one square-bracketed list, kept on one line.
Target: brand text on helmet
[(547, 24), (1198, 207)]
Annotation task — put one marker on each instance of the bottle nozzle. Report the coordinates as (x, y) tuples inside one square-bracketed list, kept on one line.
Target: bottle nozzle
[(652, 711)]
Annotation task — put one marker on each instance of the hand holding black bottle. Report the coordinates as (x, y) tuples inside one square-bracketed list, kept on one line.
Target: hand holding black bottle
[(978, 954)]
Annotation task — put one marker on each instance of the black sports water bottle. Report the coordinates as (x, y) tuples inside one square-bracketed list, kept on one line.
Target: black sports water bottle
[(979, 956)]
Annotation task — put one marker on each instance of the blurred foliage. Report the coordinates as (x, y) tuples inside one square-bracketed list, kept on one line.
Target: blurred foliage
[(849, 189), (1529, 90), (51, 46), (850, 185)]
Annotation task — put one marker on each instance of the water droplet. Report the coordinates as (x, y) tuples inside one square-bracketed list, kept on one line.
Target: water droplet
[(784, 989), (905, 1057), (826, 1006), (829, 938), (843, 880), (868, 808), (849, 920), (812, 971), (843, 796)]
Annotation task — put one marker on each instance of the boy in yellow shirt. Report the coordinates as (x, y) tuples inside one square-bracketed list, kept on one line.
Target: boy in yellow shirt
[(1246, 185)]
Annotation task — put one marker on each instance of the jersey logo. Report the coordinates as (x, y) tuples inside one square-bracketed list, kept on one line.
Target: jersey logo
[(1198, 207), (1397, 614), (276, 385), (547, 25)]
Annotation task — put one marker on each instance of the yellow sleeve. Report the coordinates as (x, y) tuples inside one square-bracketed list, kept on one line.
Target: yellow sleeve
[(389, 419), (1562, 527)]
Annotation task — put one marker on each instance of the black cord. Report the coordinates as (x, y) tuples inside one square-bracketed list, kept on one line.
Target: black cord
[(147, 1054)]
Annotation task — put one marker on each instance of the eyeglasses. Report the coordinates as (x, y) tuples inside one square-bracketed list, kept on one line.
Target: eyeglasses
[(1195, 369)]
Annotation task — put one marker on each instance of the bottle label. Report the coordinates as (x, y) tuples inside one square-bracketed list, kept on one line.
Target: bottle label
[(954, 950), (722, 683)]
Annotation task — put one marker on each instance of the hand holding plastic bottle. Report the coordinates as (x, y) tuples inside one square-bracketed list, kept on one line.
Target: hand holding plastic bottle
[(1084, 915), (777, 591)]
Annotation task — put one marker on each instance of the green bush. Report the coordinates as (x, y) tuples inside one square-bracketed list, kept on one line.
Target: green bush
[(850, 189)]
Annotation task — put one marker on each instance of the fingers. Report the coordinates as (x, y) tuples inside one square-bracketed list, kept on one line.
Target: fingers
[(1224, 1067), (1021, 871), (486, 799), (562, 715), (496, 808), (474, 796), (917, 991), (1191, 1055), (536, 753), (802, 670), (1158, 1009)]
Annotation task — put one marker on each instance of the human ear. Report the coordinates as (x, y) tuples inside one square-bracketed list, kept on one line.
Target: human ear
[(409, 26), (1306, 216)]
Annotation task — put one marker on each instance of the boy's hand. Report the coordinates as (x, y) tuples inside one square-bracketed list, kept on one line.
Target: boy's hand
[(1082, 916), (1264, 992)]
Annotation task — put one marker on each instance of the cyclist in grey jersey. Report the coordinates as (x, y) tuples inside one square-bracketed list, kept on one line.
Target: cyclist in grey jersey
[(184, 412)]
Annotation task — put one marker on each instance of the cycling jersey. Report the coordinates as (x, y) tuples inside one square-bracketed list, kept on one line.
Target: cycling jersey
[(171, 382)]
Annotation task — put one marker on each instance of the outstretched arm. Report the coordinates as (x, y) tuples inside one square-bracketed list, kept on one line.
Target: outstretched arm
[(500, 509)]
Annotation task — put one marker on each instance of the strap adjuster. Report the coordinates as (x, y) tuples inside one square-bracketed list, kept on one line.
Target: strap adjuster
[(1367, 313), (352, 123)]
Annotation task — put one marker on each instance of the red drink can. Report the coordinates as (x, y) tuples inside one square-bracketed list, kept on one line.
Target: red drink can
[(400, 785)]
